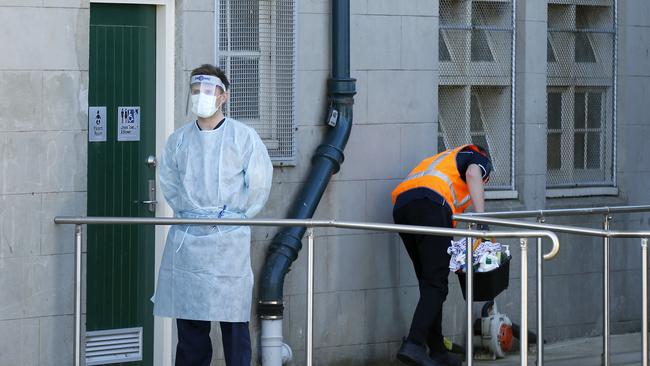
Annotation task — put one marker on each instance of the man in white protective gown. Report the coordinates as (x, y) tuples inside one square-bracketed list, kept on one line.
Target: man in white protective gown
[(213, 167)]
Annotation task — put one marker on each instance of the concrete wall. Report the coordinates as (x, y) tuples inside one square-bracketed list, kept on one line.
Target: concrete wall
[(633, 129), (361, 278), (366, 290), (43, 114)]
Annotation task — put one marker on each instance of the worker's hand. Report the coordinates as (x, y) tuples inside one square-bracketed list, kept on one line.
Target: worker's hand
[(482, 227)]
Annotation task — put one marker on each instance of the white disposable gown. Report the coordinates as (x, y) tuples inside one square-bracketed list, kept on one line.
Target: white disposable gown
[(205, 273)]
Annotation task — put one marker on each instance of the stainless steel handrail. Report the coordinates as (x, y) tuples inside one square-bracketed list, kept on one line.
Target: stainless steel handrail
[(310, 297), (562, 212), (531, 225), (606, 318), (606, 234), (540, 296), (78, 221)]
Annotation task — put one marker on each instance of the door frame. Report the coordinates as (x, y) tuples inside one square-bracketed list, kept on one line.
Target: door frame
[(165, 52)]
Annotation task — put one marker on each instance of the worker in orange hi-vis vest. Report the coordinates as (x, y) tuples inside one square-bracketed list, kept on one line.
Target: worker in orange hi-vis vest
[(438, 187)]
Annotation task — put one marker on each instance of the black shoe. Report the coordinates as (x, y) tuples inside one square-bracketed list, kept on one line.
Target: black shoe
[(444, 358), (414, 354)]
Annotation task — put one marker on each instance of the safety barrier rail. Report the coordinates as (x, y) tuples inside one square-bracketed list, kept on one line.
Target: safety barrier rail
[(503, 219), (311, 224)]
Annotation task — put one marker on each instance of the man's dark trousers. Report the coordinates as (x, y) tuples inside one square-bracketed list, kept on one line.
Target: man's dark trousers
[(431, 263), (195, 348)]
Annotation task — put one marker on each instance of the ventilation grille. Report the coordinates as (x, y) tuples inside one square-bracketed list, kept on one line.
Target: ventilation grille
[(256, 46), (113, 346)]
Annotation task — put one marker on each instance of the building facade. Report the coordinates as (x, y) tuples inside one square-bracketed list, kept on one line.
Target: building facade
[(555, 90)]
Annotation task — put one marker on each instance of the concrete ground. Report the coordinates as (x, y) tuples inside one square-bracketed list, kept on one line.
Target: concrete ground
[(625, 350)]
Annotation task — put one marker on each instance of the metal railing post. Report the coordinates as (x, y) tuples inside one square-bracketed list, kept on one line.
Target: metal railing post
[(77, 295), (469, 292), (310, 294), (606, 324), (523, 337), (644, 300), (540, 298)]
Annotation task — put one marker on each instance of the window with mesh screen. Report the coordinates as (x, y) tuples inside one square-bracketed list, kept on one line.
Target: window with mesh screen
[(475, 85), (476, 128), (256, 46), (550, 52), (580, 118), (443, 50), (587, 129)]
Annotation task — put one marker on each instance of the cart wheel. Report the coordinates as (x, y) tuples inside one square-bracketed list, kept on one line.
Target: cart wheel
[(487, 308)]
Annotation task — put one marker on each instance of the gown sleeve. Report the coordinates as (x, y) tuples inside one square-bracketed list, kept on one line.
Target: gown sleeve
[(258, 174), (170, 180)]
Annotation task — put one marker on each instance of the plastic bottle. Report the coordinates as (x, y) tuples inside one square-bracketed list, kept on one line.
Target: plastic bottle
[(507, 250), (488, 262)]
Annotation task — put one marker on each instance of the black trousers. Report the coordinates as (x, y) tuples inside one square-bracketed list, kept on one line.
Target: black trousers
[(431, 263), (195, 347)]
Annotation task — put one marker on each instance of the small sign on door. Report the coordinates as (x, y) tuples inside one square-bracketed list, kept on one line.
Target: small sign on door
[(96, 124), (128, 123)]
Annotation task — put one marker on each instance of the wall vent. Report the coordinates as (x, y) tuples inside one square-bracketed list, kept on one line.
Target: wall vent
[(113, 346)]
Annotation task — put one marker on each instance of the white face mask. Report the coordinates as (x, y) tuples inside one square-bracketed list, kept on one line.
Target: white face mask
[(204, 106), (204, 94)]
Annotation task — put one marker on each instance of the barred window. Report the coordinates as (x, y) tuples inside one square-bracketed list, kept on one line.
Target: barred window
[(256, 46), (587, 129), (475, 86), (580, 120)]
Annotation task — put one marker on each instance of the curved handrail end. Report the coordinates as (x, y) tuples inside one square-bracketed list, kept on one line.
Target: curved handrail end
[(556, 245)]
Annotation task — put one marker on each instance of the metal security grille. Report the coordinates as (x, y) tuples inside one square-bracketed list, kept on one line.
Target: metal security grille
[(475, 93), (256, 45), (580, 94)]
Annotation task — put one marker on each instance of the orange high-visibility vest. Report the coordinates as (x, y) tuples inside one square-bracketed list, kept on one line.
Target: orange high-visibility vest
[(440, 174)]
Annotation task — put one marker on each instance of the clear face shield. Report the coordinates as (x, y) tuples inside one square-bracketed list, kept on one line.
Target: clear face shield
[(202, 96)]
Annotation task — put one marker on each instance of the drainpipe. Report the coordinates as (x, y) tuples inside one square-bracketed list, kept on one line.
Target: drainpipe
[(326, 161)]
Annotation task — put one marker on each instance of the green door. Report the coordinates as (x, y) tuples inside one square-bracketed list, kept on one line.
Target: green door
[(120, 258)]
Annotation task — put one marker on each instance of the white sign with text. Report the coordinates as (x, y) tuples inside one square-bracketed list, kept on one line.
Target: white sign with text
[(128, 123), (96, 124)]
